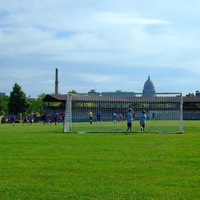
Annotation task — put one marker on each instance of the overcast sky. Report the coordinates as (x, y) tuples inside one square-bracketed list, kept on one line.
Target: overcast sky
[(106, 45)]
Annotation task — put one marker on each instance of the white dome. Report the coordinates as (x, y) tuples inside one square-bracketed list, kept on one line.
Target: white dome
[(149, 89)]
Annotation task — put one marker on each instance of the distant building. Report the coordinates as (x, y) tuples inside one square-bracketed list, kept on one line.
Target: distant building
[(118, 93), (149, 89), (2, 94), (197, 93), (30, 98), (93, 92)]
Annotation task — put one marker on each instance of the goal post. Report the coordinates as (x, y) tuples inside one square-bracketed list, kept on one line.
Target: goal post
[(164, 113), (67, 124)]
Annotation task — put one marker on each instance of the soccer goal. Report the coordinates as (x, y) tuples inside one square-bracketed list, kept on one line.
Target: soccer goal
[(96, 113)]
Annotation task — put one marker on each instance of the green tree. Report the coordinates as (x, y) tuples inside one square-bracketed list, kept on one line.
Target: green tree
[(195, 105), (17, 102), (4, 105), (36, 105), (190, 95), (72, 92)]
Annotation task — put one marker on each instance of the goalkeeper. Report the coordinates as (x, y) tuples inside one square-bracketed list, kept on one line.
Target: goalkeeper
[(90, 114)]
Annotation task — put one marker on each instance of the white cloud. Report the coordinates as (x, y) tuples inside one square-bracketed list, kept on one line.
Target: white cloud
[(126, 35), (111, 18), (94, 78)]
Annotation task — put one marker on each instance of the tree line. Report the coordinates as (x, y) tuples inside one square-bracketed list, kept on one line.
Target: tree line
[(17, 102)]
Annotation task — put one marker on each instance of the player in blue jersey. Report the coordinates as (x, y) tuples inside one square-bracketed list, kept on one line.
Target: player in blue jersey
[(55, 117), (115, 117), (143, 118), (31, 119), (129, 120), (99, 117), (12, 119)]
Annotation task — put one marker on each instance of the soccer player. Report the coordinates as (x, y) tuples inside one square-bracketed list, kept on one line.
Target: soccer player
[(127, 110), (129, 120), (25, 119), (153, 115), (55, 117), (99, 117), (120, 118), (12, 119), (115, 117), (143, 118), (47, 118), (90, 114), (31, 119)]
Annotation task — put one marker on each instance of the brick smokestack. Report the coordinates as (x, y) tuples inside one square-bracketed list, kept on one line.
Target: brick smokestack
[(56, 82)]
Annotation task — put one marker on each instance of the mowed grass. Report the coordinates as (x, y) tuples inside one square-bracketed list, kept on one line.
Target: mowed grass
[(40, 162), (153, 126)]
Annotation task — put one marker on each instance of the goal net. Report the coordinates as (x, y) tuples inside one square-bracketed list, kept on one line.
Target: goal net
[(95, 113)]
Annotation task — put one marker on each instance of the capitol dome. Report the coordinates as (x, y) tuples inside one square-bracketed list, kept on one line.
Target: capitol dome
[(149, 89)]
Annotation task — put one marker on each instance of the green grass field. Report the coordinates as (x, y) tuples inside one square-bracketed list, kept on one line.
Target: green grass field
[(153, 126), (40, 162)]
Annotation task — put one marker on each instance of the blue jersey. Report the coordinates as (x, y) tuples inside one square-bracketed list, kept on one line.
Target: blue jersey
[(115, 116), (12, 118), (98, 115), (129, 117), (31, 118), (55, 116), (47, 118), (143, 118)]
